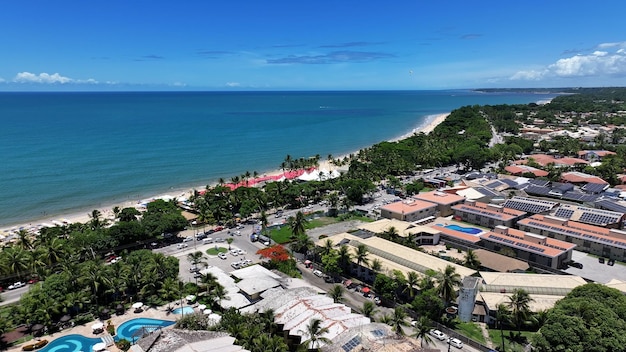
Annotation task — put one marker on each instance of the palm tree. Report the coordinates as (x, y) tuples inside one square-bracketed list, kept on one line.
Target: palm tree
[(229, 240), (336, 293), (412, 281), (314, 332), (398, 321), (297, 224), (391, 233), (264, 221), (196, 258), (421, 330), (344, 256), (447, 282), (369, 309), (471, 260), (519, 303), (327, 247), (361, 255), (377, 265), (24, 240), (503, 316), (15, 260)]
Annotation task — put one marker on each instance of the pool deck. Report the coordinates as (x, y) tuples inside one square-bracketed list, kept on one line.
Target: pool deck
[(117, 320)]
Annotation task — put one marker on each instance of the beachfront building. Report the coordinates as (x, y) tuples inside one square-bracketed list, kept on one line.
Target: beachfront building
[(487, 215), (534, 248), (609, 243), (421, 234), (393, 256), (444, 201), (544, 289), (591, 216), (409, 210)]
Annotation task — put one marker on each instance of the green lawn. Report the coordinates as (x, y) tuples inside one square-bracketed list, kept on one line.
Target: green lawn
[(471, 330), (509, 344), (283, 234), (213, 251)]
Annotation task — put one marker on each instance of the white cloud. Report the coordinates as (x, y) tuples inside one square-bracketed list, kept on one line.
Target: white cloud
[(46, 78), (233, 84), (598, 63)]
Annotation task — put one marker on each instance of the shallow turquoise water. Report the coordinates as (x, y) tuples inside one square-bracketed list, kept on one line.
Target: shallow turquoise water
[(73, 152), (131, 329)]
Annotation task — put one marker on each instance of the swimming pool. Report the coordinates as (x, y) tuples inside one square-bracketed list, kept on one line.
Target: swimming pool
[(71, 343), (183, 310), (470, 230), (131, 330)]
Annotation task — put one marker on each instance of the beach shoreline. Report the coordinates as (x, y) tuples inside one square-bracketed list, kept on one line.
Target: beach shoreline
[(83, 215)]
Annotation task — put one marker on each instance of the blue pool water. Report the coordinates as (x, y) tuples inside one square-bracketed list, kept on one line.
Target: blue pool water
[(183, 310), (470, 230), (128, 328), (71, 343)]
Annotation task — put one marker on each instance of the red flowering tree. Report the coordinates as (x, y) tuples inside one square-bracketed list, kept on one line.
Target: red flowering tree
[(279, 259), (276, 253)]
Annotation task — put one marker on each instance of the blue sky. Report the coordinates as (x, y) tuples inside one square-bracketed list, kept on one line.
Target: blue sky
[(310, 45)]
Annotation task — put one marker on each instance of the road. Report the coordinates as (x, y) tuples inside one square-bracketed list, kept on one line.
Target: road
[(12, 296)]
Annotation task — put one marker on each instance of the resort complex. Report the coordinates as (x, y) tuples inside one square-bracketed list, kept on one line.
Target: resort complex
[(498, 219)]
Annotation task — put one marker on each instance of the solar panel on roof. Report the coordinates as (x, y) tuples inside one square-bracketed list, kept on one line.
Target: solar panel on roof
[(378, 333), (494, 184), (352, 344), (610, 205), (538, 190), (564, 213), (594, 187), (540, 183), (509, 182), (487, 191)]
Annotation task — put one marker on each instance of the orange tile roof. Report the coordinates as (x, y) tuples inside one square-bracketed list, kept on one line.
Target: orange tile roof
[(517, 169), (579, 177), (407, 207), (438, 197)]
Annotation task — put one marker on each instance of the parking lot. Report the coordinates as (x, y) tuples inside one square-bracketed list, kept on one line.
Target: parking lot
[(596, 271)]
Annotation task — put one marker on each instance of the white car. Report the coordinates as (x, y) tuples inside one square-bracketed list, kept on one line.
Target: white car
[(222, 255), (318, 273), (241, 251), (235, 265), (182, 245), (438, 334), (16, 285), (455, 342), (188, 239), (234, 252)]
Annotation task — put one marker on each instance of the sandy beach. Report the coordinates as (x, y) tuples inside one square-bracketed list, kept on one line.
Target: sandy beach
[(429, 125)]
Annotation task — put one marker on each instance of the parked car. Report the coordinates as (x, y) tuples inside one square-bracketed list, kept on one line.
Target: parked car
[(601, 260), (194, 269), (318, 273), (455, 342), (200, 236), (611, 262), (188, 239), (234, 252), (437, 334), (576, 265), (182, 245), (222, 255), (16, 285), (219, 239), (219, 228), (197, 275), (207, 240), (377, 300), (235, 265)]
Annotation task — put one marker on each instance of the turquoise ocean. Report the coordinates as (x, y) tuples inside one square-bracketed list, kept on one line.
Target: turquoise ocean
[(63, 153)]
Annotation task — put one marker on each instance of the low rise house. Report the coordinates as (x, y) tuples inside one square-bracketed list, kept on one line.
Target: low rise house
[(489, 215), (408, 210), (444, 201)]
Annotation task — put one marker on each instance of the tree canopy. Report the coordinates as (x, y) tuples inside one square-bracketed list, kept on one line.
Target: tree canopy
[(590, 318)]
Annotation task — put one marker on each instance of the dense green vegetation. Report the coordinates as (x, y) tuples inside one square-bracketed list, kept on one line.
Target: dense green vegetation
[(590, 318)]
